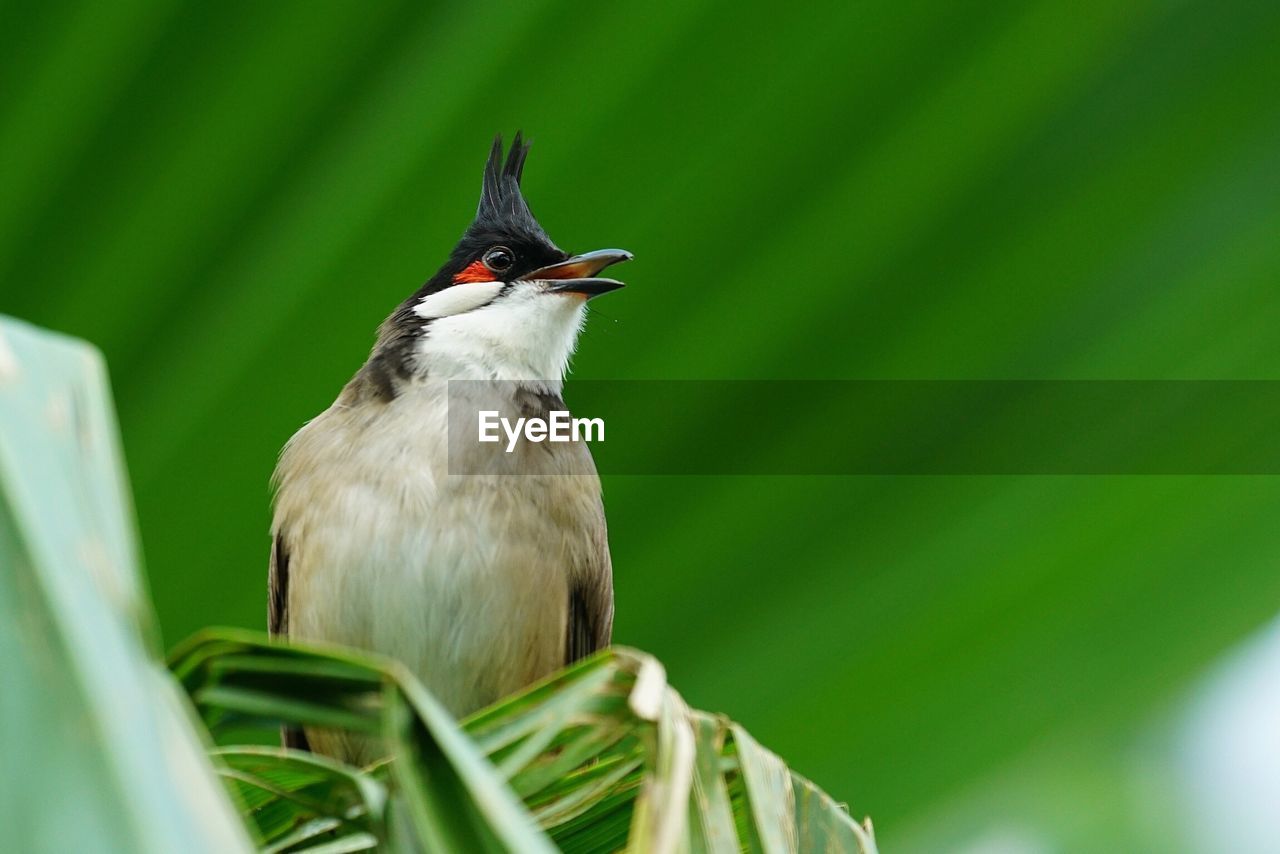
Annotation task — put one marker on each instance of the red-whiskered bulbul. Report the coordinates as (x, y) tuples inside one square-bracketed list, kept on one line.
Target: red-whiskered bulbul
[(479, 583)]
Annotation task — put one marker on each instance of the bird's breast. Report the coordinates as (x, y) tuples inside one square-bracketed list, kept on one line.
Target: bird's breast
[(463, 578)]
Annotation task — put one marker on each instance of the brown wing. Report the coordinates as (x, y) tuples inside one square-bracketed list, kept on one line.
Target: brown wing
[(591, 604), (278, 589), (278, 621)]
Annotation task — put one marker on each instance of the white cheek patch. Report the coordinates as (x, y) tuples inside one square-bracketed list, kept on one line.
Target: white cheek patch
[(456, 299)]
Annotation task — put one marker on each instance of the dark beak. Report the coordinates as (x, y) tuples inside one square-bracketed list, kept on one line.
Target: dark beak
[(578, 274)]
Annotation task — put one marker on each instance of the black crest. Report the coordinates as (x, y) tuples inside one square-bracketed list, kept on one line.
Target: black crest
[(502, 205)]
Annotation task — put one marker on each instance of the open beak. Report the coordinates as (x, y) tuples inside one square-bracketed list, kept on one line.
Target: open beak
[(578, 274)]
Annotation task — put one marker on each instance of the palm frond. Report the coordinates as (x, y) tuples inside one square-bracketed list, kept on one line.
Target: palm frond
[(99, 749), (603, 756)]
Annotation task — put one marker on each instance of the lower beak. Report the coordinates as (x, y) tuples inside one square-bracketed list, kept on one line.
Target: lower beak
[(578, 274)]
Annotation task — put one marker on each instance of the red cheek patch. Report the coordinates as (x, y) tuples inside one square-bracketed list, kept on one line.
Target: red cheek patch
[(476, 271)]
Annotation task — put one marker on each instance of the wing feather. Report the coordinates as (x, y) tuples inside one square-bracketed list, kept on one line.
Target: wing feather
[(278, 589), (278, 621), (591, 603)]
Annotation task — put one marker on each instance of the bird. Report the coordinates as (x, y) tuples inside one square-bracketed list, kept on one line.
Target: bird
[(480, 582)]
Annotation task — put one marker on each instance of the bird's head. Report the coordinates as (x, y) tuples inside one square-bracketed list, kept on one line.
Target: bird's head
[(508, 301)]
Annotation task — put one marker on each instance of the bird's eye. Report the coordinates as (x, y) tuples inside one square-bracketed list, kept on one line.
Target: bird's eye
[(499, 259)]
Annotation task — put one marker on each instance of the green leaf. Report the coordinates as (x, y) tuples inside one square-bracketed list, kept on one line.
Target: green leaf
[(100, 751), (605, 754), (446, 796), (281, 790)]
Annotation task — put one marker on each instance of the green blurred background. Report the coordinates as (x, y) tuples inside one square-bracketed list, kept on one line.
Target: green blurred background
[(228, 197)]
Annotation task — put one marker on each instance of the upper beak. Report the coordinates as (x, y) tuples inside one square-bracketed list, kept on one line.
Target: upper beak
[(578, 274)]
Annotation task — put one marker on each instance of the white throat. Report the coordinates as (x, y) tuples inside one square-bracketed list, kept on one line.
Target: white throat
[(525, 334)]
